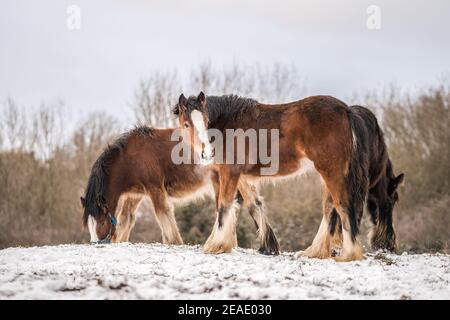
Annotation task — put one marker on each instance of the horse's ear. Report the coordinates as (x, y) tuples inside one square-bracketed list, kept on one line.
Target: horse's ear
[(83, 202), (400, 179), (182, 103), (395, 182), (201, 97)]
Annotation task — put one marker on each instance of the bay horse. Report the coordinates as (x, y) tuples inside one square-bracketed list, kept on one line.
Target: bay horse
[(139, 164), (344, 144)]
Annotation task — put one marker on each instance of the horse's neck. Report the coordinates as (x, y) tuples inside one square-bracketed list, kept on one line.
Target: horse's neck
[(259, 117)]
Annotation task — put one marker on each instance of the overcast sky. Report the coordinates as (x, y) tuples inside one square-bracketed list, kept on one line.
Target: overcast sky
[(99, 66)]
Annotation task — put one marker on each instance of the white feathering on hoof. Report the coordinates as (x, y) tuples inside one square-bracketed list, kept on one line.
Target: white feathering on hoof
[(223, 239)]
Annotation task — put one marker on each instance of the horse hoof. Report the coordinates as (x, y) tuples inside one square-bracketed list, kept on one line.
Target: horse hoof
[(310, 253), (349, 257), (269, 251), (216, 249)]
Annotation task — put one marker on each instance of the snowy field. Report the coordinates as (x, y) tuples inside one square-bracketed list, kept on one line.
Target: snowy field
[(155, 271)]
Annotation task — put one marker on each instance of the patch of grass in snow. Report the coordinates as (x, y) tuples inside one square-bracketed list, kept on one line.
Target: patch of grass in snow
[(383, 258)]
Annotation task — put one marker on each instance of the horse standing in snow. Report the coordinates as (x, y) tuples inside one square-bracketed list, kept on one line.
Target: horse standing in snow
[(139, 164), (344, 144)]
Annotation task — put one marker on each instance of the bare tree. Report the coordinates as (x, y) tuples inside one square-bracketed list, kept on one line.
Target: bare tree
[(279, 83), (14, 126), (48, 129), (156, 95), (154, 98), (203, 77), (91, 136)]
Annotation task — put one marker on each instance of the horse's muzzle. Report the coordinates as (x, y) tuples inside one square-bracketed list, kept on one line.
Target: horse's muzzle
[(208, 157), (104, 241)]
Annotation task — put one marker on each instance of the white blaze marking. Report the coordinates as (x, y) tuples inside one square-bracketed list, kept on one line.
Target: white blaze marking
[(202, 132), (92, 226), (199, 124)]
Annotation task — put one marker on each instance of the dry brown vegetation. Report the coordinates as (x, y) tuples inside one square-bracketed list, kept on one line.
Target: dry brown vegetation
[(44, 167)]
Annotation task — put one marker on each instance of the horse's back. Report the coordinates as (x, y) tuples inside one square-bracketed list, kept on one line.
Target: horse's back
[(367, 116)]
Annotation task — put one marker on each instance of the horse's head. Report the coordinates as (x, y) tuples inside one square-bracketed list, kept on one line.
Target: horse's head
[(383, 204), (393, 184), (193, 120), (98, 219)]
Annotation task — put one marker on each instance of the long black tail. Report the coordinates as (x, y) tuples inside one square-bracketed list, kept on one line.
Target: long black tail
[(357, 179)]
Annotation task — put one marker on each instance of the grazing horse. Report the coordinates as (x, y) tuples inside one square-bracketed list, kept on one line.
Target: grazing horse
[(139, 164), (344, 144)]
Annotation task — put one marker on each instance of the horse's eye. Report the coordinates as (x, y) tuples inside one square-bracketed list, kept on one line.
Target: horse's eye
[(186, 124)]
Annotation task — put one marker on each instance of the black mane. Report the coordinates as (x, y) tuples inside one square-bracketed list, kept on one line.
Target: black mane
[(95, 192), (229, 107), (226, 107)]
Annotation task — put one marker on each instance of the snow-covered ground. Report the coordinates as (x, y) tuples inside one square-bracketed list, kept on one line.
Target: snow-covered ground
[(155, 271)]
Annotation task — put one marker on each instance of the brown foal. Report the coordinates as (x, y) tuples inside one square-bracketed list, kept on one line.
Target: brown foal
[(139, 164)]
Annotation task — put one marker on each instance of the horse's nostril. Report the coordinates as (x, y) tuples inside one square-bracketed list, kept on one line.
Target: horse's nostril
[(207, 156)]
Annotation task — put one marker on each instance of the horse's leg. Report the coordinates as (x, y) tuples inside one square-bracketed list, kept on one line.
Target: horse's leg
[(130, 207), (127, 205), (349, 208), (222, 238), (129, 227), (321, 245), (335, 229), (121, 217), (165, 216), (216, 186), (255, 206)]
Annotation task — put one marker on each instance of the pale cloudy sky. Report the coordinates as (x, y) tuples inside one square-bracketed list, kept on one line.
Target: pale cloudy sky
[(120, 42)]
